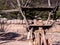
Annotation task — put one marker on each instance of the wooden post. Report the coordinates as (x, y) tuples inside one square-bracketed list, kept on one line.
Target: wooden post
[(49, 41), (30, 37), (49, 4), (49, 17), (37, 37), (43, 39)]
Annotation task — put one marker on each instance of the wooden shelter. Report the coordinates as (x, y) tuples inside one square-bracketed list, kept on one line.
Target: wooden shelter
[(39, 33)]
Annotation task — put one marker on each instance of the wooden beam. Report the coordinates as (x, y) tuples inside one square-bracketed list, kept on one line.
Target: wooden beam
[(28, 8), (11, 10), (38, 8)]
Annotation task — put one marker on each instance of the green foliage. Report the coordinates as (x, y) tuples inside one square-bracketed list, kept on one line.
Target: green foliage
[(2, 5), (40, 14), (58, 13), (29, 14)]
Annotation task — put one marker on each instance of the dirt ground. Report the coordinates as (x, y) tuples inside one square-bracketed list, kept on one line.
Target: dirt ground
[(16, 43), (53, 34)]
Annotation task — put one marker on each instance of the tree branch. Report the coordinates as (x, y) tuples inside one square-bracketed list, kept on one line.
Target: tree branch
[(20, 10), (26, 3)]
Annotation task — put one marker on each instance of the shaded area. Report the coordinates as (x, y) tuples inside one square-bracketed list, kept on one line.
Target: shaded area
[(9, 36)]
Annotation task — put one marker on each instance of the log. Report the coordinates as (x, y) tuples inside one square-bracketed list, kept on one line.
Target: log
[(11, 10)]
